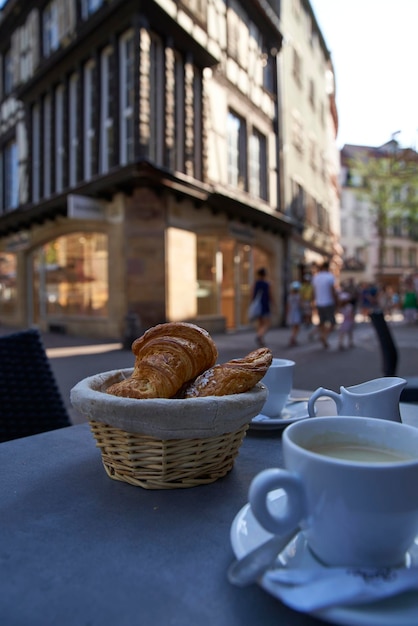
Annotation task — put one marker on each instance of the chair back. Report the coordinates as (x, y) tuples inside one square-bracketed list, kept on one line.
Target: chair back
[(30, 399)]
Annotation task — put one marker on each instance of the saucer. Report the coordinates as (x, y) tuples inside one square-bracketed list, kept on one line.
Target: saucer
[(292, 412), (246, 534)]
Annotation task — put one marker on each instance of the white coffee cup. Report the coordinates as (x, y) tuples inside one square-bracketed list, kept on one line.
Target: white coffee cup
[(278, 380), (352, 512)]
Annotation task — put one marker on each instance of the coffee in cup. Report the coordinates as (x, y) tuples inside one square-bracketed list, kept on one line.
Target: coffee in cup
[(351, 486)]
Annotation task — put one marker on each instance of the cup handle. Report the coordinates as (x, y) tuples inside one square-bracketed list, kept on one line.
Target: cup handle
[(321, 391), (296, 507)]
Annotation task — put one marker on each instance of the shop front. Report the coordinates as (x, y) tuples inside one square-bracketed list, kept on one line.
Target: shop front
[(161, 260)]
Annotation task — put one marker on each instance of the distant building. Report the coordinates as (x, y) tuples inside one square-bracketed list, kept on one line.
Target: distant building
[(141, 162), (359, 236), (309, 121)]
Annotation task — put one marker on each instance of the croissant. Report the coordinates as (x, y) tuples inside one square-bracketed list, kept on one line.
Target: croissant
[(167, 356), (236, 376)]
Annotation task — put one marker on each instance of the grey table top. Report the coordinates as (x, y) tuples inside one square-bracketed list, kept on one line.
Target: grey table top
[(79, 549)]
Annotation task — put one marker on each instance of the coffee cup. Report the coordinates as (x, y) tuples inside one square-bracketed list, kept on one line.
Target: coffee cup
[(278, 380), (351, 487)]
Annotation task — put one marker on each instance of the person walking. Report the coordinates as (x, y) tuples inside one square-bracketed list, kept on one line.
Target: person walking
[(307, 297), (325, 294), (262, 289), (346, 328), (294, 312), (409, 303)]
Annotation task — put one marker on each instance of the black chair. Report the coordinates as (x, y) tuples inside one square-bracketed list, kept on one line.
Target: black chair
[(386, 342), (390, 357), (30, 400)]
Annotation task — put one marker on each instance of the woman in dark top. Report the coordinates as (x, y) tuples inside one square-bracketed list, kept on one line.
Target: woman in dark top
[(263, 320)]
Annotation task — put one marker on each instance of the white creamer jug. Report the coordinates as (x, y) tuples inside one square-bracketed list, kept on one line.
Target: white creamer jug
[(374, 398)]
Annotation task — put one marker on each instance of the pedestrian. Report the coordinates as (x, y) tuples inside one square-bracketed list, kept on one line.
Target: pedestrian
[(294, 312), (307, 297), (262, 289), (346, 328), (325, 299), (409, 303)]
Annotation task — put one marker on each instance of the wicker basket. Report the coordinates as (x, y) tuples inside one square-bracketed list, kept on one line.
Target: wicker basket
[(152, 463), (161, 443)]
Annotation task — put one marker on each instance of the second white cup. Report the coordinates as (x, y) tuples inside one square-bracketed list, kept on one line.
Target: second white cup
[(279, 382)]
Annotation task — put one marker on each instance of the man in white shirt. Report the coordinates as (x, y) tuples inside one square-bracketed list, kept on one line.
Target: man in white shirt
[(325, 299)]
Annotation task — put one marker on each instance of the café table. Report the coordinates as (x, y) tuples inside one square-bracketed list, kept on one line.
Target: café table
[(80, 549)]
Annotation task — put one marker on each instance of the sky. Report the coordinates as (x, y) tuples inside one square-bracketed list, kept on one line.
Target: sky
[(373, 47)]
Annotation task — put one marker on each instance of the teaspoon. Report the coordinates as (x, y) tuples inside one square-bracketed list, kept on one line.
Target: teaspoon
[(248, 570)]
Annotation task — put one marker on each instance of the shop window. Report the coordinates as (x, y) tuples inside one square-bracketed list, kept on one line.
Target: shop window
[(209, 275), (72, 272), (8, 289)]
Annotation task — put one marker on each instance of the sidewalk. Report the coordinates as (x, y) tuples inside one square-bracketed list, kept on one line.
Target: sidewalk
[(74, 358)]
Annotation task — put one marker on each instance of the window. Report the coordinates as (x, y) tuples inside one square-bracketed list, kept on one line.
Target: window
[(106, 119), (59, 139), (299, 201), (179, 113), (11, 176), (297, 132), (88, 7), (257, 163), (7, 73), (89, 120), (156, 100), (312, 93), (73, 129), (198, 7), (127, 98), (237, 150), (297, 68), (50, 36), (313, 153), (47, 146), (71, 273), (197, 125), (8, 283), (397, 257), (36, 153)]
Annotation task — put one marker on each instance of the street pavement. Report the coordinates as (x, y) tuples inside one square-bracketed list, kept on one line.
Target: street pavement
[(74, 358)]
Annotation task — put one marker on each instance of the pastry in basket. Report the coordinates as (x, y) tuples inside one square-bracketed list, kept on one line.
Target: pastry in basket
[(236, 376), (167, 357)]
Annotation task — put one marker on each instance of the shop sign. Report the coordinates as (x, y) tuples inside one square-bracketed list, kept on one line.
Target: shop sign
[(17, 242), (85, 208)]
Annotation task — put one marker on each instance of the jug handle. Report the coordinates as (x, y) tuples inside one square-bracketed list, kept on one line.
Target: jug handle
[(321, 391)]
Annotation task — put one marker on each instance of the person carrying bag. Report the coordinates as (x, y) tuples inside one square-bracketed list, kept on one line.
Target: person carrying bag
[(259, 309)]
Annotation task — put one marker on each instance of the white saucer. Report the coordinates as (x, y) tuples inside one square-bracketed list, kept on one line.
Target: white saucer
[(246, 534), (292, 412)]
